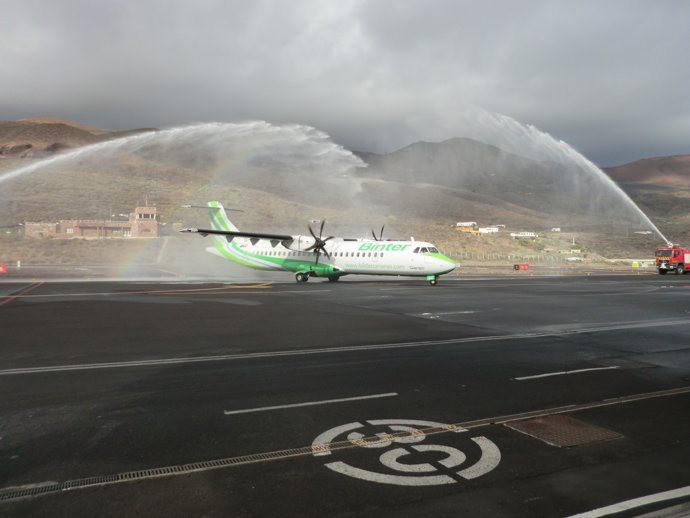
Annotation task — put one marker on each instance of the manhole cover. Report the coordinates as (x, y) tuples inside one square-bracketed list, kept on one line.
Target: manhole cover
[(563, 430)]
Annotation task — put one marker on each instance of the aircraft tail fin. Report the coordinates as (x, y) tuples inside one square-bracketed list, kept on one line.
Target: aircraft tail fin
[(219, 219)]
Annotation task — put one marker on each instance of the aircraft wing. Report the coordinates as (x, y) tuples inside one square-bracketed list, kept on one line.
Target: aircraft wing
[(229, 234)]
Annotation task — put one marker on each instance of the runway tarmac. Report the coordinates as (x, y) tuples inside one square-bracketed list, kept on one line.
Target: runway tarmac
[(504, 396)]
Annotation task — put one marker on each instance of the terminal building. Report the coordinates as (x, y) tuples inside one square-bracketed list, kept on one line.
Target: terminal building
[(142, 223)]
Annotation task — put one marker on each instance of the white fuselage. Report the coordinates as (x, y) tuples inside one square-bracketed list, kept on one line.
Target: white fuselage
[(347, 256)]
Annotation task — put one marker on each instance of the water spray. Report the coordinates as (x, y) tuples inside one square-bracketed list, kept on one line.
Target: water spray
[(528, 141)]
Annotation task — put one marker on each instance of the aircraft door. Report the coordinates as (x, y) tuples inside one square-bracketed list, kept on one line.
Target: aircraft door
[(417, 260)]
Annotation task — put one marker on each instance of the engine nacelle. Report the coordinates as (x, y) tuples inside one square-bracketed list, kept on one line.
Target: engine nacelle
[(299, 243)]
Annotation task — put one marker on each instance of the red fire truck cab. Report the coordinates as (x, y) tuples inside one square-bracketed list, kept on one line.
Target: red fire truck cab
[(672, 259)]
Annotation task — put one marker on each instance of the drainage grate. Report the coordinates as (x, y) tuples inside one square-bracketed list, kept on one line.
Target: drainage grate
[(129, 476), (563, 431), (33, 490)]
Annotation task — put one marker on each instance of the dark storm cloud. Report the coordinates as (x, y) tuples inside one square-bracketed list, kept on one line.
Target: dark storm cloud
[(611, 78)]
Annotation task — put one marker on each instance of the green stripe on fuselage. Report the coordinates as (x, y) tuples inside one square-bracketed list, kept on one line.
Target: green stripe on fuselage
[(250, 259)]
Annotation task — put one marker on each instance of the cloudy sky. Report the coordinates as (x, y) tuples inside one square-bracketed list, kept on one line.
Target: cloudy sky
[(611, 78)]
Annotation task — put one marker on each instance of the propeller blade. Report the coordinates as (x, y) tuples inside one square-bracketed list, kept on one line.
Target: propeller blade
[(380, 236), (319, 243)]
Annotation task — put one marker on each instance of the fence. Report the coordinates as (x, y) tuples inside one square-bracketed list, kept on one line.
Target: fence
[(482, 256)]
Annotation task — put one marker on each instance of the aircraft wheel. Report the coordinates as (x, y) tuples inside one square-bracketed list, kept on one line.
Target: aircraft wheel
[(333, 278), (433, 282), (301, 277)]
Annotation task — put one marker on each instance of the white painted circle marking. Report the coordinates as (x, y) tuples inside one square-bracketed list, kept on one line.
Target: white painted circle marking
[(398, 466), (390, 458)]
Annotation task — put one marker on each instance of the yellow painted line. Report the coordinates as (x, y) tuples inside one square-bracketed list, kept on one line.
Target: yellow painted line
[(262, 285), (171, 272), (10, 298), (189, 291)]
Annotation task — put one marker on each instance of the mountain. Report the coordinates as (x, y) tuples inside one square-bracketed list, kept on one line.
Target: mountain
[(660, 186), (665, 171), (68, 122), (37, 138), (487, 182)]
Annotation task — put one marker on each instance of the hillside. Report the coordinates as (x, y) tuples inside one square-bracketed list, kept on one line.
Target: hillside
[(666, 171), (661, 187), (36, 138), (494, 186), (68, 122)]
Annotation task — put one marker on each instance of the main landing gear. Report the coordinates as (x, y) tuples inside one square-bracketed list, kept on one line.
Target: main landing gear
[(301, 277)]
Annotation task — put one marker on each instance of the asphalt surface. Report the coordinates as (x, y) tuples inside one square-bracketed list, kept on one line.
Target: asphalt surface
[(357, 398)]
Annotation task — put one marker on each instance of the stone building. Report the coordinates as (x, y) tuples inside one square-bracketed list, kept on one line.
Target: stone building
[(143, 222)]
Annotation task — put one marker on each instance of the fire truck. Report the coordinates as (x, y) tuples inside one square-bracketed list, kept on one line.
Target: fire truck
[(672, 259)]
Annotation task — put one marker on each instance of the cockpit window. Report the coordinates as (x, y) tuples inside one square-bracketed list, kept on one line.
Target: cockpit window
[(423, 250), (433, 250), (416, 250)]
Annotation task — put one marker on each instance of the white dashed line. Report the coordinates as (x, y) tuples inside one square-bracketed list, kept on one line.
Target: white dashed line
[(563, 373), (444, 313), (309, 403)]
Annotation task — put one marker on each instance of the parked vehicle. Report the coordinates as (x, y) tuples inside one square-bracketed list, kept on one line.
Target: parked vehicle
[(672, 259)]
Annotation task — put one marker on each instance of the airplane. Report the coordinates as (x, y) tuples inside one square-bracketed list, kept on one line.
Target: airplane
[(314, 256)]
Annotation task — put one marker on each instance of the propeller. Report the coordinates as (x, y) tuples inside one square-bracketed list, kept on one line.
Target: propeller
[(380, 238), (319, 245)]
